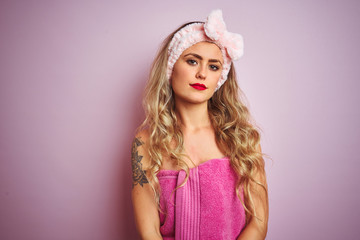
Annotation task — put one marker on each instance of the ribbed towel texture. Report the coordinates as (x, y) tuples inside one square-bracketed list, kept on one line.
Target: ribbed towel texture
[(206, 207)]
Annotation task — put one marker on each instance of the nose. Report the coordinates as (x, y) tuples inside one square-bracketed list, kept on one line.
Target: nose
[(201, 73)]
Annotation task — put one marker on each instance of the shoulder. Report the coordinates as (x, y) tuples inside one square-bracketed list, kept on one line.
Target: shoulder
[(141, 141), (139, 149), (260, 174), (143, 135), (258, 148)]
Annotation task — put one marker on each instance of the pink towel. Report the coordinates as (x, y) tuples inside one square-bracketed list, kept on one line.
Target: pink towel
[(206, 207)]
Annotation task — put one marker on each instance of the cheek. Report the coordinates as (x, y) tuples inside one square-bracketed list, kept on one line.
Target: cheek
[(180, 71), (176, 77), (216, 77)]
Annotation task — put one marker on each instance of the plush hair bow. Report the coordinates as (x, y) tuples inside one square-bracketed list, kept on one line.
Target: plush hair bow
[(213, 30)]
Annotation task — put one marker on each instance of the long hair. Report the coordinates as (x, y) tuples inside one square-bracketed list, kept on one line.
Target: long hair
[(235, 131)]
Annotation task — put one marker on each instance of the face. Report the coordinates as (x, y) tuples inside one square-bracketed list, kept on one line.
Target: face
[(196, 73)]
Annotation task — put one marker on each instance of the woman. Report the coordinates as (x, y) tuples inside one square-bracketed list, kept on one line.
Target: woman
[(198, 171)]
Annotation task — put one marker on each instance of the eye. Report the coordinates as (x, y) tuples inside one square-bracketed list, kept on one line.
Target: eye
[(214, 67), (191, 62)]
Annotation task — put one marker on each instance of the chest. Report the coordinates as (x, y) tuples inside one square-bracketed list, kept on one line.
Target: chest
[(201, 146)]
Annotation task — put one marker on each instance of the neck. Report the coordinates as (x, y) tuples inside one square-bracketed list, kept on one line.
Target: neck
[(193, 116)]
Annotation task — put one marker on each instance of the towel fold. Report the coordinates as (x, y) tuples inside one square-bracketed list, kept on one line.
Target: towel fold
[(206, 207)]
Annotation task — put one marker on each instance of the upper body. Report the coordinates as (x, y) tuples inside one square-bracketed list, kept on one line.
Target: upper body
[(188, 125)]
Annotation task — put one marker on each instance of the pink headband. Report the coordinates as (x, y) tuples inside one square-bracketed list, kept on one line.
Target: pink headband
[(213, 30)]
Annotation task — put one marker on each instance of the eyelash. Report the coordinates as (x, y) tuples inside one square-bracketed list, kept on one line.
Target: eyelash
[(191, 62), (194, 62), (214, 67)]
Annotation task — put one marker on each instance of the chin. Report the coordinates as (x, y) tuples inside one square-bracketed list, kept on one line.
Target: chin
[(193, 98), (197, 100)]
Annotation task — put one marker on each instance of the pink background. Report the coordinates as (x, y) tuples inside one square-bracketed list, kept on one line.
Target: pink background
[(71, 79)]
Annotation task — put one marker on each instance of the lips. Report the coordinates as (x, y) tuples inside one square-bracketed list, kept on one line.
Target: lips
[(198, 86)]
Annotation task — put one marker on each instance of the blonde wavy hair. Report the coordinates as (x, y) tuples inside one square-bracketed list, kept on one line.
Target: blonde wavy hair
[(235, 131)]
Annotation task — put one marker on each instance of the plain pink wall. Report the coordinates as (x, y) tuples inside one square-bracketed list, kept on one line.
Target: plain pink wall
[(71, 79)]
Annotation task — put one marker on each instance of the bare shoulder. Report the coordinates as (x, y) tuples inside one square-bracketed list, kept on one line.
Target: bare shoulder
[(260, 175), (139, 158)]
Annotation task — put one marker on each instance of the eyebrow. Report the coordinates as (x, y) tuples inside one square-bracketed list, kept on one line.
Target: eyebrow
[(201, 58)]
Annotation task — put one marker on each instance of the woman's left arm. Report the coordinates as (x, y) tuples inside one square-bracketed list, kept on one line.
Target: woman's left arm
[(256, 229)]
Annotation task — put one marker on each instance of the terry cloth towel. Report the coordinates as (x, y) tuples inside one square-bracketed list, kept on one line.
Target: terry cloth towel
[(206, 207)]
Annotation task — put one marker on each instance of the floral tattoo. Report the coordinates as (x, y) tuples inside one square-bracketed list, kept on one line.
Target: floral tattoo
[(138, 174)]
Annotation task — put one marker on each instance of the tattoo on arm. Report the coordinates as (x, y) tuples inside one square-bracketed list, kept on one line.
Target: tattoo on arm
[(138, 174)]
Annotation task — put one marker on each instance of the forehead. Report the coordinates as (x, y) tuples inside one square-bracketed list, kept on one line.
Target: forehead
[(207, 50)]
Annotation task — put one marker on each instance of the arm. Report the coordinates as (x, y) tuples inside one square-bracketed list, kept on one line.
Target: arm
[(145, 208), (256, 229)]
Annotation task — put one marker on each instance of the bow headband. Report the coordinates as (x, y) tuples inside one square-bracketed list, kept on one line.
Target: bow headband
[(213, 30)]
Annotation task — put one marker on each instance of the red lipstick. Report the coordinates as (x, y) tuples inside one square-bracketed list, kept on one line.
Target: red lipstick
[(198, 86)]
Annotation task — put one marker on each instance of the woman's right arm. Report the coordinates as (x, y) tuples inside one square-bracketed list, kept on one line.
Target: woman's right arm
[(145, 208)]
